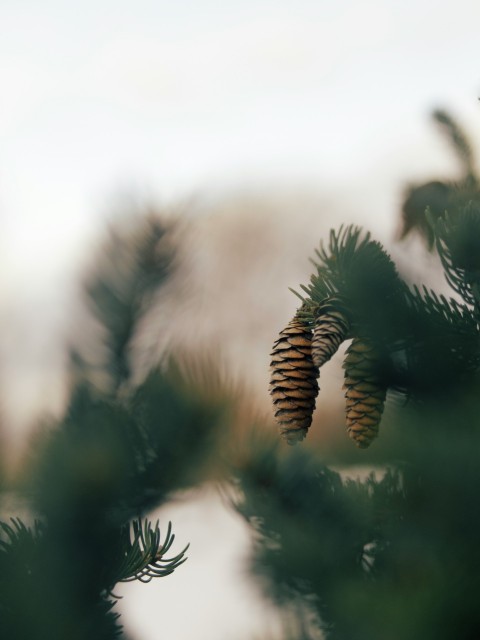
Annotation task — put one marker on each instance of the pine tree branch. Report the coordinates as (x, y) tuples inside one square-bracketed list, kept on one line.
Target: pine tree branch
[(458, 245), (143, 556), (457, 138), (132, 266)]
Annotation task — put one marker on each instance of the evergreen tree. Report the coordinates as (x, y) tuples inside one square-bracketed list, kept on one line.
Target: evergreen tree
[(395, 556), (120, 450)]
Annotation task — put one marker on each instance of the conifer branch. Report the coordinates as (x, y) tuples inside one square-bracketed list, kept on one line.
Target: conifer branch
[(458, 246), (17, 536), (457, 139), (143, 556), (137, 552), (352, 263), (132, 268), (422, 341)]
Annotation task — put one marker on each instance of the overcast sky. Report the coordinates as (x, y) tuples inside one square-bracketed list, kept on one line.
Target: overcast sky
[(174, 98)]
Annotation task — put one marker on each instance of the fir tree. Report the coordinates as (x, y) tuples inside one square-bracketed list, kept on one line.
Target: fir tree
[(395, 556), (120, 450)]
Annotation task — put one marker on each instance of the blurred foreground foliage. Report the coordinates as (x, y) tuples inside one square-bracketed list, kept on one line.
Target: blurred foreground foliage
[(121, 449), (383, 544)]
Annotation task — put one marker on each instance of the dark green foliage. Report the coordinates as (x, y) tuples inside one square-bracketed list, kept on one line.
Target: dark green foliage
[(458, 140), (120, 450), (357, 270), (136, 259), (458, 245), (351, 263), (177, 427), (106, 464), (388, 557), (143, 558), (57, 582), (433, 197), (442, 344), (395, 556), (423, 339), (319, 535), (43, 591), (438, 196)]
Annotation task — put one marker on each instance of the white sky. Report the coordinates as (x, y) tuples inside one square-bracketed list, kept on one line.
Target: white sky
[(173, 98), (179, 97)]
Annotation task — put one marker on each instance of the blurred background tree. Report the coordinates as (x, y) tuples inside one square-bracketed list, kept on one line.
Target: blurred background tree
[(120, 450)]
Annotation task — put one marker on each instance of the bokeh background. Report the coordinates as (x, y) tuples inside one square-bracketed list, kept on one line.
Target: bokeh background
[(258, 125)]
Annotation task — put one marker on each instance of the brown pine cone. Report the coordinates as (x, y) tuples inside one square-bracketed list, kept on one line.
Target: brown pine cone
[(331, 328), (293, 384), (365, 394)]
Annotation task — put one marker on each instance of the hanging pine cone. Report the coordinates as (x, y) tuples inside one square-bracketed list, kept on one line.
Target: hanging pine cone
[(365, 392), (331, 329), (293, 384)]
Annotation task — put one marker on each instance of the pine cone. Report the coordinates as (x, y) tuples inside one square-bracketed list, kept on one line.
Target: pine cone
[(331, 329), (293, 384), (365, 392)]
